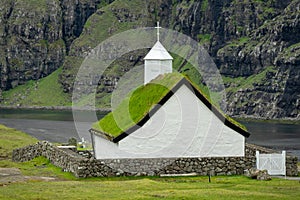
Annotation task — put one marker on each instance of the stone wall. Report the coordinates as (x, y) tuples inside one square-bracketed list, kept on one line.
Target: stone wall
[(201, 166), (68, 160), (89, 167)]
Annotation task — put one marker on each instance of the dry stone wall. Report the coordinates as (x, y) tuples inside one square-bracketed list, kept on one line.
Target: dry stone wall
[(82, 166), (66, 159)]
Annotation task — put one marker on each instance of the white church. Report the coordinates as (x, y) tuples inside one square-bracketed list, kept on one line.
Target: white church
[(183, 124)]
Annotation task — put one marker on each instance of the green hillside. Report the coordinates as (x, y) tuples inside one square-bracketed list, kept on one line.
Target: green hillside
[(44, 92), (260, 68)]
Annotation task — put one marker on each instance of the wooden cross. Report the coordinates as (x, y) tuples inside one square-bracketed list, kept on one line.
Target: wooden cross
[(157, 27)]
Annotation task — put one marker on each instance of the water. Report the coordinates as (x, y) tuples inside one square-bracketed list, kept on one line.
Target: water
[(58, 126), (50, 125), (275, 135), (51, 115)]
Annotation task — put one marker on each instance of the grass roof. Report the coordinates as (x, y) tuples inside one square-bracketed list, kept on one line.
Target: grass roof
[(138, 104)]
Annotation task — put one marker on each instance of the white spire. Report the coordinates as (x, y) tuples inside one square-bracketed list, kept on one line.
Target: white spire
[(157, 61), (157, 27), (158, 52)]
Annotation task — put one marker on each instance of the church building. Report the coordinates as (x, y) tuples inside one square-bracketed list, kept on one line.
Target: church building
[(180, 122)]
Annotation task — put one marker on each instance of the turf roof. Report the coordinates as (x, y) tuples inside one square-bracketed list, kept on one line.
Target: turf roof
[(137, 105)]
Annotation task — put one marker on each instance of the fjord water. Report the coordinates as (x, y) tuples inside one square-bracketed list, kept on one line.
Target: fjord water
[(51, 125), (58, 126), (279, 136)]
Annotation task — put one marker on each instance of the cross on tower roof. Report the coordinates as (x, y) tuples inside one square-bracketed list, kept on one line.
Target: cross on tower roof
[(157, 27)]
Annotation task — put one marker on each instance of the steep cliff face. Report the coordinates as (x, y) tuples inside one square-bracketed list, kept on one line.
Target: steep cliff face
[(36, 35), (121, 15), (75, 14), (215, 23), (269, 56), (33, 42), (254, 44)]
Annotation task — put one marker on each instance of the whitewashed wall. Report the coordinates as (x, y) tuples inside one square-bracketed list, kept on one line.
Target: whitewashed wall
[(154, 68), (182, 127)]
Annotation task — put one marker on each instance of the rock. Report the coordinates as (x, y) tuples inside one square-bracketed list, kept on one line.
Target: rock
[(257, 174), (82, 166), (271, 55), (120, 172)]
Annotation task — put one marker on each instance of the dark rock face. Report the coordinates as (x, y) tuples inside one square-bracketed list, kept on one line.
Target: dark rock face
[(32, 40), (274, 44), (35, 36), (74, 16), (255, 44)]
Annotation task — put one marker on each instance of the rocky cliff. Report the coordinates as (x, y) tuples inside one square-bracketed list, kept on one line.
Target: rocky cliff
[(35, 36), (262, 66), (253, 42)]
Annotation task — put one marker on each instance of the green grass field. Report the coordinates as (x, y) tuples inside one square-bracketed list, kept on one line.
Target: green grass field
[(11, 139), (66, 186), (155, 188)]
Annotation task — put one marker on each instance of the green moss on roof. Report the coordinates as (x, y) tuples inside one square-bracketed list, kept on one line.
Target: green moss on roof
[(133, 108), (138, 104), (238, 124)]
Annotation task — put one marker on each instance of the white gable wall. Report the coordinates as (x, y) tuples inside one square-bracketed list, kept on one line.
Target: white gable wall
[(182, 127)]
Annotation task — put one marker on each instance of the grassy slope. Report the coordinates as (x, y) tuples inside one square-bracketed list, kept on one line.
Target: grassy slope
[(44, 92), (11, 139), (243, 83), (102, 26), (99, 27)]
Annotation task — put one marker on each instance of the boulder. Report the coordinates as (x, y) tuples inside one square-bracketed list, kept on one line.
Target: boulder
[(257, 174)]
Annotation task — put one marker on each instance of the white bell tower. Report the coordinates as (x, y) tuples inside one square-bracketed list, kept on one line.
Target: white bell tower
[(157, 61)]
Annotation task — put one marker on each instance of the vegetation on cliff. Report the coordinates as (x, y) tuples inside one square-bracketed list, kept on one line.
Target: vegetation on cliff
[(44, 92)]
